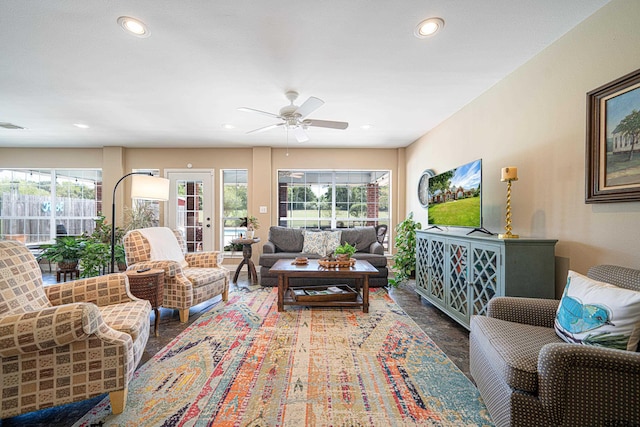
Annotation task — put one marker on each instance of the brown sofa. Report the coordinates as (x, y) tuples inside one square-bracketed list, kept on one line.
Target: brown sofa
[(287, 243)]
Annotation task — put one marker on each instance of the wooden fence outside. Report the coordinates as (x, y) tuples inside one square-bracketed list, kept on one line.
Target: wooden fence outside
[(33, 219)]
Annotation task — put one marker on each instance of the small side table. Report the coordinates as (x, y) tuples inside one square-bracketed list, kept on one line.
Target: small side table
[(148, 285), (63, 274), (246, 259)]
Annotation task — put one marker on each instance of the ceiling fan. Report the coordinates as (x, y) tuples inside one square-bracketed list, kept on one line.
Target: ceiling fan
[(295, 118)]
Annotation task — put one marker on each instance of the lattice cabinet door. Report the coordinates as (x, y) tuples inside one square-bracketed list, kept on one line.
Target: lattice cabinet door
[(458, 275), (436, 282), (485, 276), (422, 257), (463, 272)]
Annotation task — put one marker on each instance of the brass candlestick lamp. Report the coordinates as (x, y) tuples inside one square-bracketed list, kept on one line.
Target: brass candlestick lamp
[(509, 174)]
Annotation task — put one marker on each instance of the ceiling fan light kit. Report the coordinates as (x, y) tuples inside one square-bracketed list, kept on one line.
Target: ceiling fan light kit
[(295, 117)]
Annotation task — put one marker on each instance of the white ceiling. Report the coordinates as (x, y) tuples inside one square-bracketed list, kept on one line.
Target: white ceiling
[(67, 61)]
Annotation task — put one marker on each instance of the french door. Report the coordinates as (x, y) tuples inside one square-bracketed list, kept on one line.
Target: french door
[(190, 208)]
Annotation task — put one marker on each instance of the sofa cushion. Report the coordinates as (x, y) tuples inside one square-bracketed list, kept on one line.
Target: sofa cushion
[(203, 276), (375, 260), (286, 239), (513, 348), (599, 314), (360, 237)]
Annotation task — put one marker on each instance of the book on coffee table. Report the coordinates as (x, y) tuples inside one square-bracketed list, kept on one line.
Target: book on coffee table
[(331, 293)]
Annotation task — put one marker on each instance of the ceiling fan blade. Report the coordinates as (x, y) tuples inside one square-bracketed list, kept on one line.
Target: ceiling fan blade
[(253, 110), (326, 124), (265, 128), (300, 134), (309, 106)]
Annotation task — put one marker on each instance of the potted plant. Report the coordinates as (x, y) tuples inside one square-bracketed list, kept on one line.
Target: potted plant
[(344, 252), (65, 252), (404, 260), (95, 258), (252, 224)]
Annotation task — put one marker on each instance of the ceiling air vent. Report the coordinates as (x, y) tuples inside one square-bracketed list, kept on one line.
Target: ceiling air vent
[(9, 126)]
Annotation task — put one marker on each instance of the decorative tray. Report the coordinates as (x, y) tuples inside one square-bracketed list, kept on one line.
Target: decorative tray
[(326, 263), (332, 293)]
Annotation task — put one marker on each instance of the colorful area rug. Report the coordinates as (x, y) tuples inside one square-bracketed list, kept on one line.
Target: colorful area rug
[(245, 364)]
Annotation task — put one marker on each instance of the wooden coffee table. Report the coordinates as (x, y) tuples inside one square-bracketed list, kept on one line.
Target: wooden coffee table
[(286, 269)]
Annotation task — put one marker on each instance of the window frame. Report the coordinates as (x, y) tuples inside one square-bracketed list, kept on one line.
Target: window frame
[(347, 182), (33, 227), (227, 233)]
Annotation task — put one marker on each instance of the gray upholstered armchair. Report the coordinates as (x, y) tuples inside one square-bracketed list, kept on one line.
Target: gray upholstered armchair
[(528, 376)]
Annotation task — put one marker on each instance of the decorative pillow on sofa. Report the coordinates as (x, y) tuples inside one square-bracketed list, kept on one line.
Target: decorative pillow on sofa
[(599, 314), (332, 241), (314, 242)]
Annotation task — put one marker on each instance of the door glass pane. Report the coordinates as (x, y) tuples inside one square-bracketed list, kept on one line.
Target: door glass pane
[(189, 212)]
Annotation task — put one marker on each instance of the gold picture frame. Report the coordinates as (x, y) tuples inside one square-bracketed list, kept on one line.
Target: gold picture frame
[(613, 141)]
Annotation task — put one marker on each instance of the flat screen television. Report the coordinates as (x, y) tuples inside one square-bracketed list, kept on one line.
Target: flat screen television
[(455, 197)]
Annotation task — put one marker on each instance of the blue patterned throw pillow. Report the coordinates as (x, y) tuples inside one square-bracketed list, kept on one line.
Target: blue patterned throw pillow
[(599, 314)]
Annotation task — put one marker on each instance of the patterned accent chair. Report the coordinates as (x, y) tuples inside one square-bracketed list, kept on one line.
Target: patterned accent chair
[(66, 342), (527, 376), (184, 287)]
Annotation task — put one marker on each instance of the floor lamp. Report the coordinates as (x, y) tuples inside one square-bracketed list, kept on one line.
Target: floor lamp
[(143, 186)]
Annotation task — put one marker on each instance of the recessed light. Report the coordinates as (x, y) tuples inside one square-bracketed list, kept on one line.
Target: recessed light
[(133, 26), (228, 126), (366, 127), (81, 125), (428, 27)]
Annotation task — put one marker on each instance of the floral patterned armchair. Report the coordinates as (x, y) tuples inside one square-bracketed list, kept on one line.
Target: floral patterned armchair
[(66, 342)]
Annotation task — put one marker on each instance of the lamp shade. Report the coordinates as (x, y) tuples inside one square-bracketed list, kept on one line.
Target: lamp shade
[(149, 187), (509, 173)]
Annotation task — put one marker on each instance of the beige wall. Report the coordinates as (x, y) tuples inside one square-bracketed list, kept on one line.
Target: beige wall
[(262, 163), (535, 119)]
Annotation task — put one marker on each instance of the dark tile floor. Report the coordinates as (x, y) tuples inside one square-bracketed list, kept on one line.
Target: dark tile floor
[(452, 338)]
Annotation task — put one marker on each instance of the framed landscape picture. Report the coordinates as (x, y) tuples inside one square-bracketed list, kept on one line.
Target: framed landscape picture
[(613, 141)]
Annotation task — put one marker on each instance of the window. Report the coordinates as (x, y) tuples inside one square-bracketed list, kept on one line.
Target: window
[(234, 205), (38, 204), (143, 213), (333, 199)]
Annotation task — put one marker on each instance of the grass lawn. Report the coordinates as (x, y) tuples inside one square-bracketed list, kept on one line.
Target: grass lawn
[(464, 212), (620, 162)]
